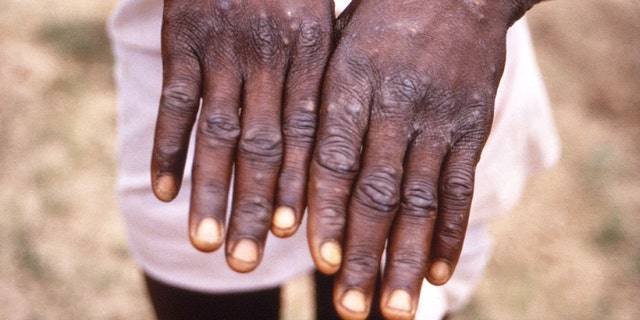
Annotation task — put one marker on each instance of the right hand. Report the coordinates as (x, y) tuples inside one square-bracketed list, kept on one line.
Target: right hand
[(257, 66)]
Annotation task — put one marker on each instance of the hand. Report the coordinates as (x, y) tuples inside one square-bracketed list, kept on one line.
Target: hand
[(407, 107), (257, 67)]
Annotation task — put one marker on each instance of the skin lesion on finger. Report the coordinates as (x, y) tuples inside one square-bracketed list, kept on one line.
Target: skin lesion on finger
[(325, 230)]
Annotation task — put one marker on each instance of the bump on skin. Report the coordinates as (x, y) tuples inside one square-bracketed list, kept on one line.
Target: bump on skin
[(311, 106)]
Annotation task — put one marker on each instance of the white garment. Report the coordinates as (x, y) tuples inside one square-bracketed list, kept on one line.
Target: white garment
[(523, 140)]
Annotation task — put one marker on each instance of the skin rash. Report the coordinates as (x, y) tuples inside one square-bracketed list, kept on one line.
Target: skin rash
[(385, 134)]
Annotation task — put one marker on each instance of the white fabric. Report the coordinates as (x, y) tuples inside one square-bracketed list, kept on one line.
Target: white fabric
[(436, 302), (523, 140)]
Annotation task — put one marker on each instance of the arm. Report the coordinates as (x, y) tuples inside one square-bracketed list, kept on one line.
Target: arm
[(407, 107)]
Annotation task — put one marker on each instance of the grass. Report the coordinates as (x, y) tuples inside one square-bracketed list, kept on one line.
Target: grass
[(85, 41), (611, 232), (28, 258)]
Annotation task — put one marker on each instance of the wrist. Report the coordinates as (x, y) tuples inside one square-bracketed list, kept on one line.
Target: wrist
[(521, 7)]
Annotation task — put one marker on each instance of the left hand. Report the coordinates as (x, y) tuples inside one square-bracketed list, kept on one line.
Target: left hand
[(407, 107)]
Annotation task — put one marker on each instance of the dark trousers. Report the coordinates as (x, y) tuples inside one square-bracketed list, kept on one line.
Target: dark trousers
[(171, 303)]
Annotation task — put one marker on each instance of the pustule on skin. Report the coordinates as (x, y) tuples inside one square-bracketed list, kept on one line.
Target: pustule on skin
[(478, 6)]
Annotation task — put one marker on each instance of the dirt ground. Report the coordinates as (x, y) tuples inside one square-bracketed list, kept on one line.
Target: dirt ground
[(570, 250)]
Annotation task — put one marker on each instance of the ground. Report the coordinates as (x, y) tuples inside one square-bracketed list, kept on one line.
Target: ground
[(570, 250)]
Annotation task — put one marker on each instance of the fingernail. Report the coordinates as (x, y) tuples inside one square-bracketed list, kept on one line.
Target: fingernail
[(284, 218), (165, 187), (400, 300), (331, 253), (354, 300), (208, 235), (439, 272), (245, 255)]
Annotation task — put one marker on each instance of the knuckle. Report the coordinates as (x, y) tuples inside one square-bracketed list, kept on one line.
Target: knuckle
[(214, 189), (402, 90), (311, 35), (261, 145), (337, 155), (450, 231), (265, 39), (420, 200), (221, 127), (254, 210), (300, 127), (360, 263), (180, 99), (410, 262), (451, 234), (458, 184), (166, 153), (379, 190), (332, 219)]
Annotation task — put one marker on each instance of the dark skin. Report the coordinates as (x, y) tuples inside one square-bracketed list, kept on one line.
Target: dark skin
[(267, 60), (407, 105), (402, 126)]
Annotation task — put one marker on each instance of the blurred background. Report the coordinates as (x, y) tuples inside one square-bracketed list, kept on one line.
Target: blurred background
[(570, 250)]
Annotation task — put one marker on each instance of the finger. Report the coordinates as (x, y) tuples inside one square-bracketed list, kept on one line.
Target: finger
[(176, 115), (455, 195), (299, 124), (409, 243), (343, 121), (371, 211), (373, 205), (258, 161), (216, 139)]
